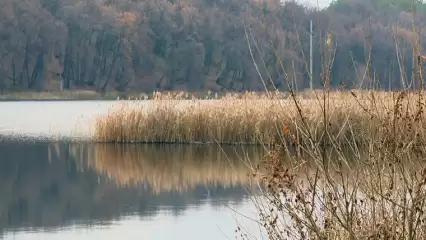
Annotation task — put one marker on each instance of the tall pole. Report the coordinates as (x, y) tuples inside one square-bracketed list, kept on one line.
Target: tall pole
[(61, 87), (310, 58)]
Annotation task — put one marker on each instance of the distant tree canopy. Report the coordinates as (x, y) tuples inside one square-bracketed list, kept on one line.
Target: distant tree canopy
[(401, 5), (195, 45)]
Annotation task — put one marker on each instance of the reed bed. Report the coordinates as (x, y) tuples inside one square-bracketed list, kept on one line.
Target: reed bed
[(252, 118)]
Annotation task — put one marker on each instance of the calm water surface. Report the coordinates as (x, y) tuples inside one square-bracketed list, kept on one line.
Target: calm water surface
[(53, 120), (58, 190)]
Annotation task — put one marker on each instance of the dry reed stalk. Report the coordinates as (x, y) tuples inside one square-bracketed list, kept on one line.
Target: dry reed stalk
[(375, 197), (379, 195)]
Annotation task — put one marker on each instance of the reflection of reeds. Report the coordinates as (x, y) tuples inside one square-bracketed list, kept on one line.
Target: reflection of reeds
[(173, 167), (81, 153)]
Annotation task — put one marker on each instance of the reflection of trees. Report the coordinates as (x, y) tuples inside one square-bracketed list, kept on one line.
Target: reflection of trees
[(48, 185)]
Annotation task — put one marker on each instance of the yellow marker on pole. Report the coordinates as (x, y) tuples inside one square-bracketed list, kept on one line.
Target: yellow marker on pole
[(329, 39)]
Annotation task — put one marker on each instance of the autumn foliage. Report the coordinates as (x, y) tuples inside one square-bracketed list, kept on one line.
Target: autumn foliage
[(199, 45)]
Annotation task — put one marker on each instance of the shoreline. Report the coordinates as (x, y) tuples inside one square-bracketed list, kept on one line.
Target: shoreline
[(68, 95), (89, 95), (51, 99)]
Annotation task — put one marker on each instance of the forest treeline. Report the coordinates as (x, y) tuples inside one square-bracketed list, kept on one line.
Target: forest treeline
[(195, 45)]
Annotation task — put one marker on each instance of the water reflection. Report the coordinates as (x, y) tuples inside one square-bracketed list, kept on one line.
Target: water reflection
[(175, 167), (52, 186)]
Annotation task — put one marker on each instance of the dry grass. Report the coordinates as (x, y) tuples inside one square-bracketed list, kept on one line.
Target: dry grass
[(326, 192), (380, 198), (250, 119)]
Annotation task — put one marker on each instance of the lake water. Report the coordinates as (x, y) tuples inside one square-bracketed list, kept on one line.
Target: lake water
[(62, 190)]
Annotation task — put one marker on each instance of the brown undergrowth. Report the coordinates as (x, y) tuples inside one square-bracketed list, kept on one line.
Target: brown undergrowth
[(324, 191)]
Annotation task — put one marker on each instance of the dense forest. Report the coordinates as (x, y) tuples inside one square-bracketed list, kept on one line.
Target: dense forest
[(195, 45)]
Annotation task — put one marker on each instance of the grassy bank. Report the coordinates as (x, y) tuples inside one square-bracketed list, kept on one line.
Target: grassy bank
[(259, 119), (94, 95), (72, 95), (64, 95)]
